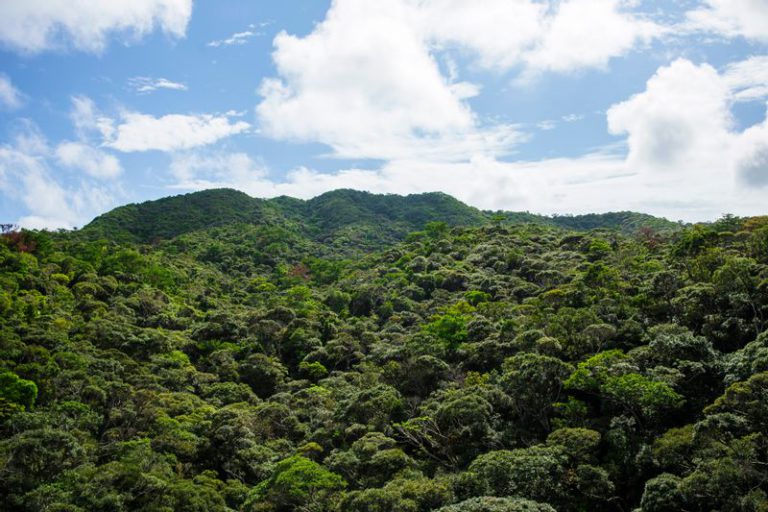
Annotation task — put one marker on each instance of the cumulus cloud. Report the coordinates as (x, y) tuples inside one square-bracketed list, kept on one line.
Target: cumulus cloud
[(10, 97), (597, 182), (33, 26), (752, 156), (732, 18), (482, 181), (558, 36), (364, 84), (681, 126), (681, 121), (587, 34), (135, 131), (367, 83), (497, 32), (62, 185), (142, 132), (145, 84), (92, 161)]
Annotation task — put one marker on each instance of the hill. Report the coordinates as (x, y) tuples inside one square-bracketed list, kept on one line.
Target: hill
[(344, 218), (171, 216), (247, 364)]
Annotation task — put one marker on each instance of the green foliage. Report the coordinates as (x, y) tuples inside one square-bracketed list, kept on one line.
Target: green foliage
[(533, 473), (490, 504), (214, 352), (639, 393), (296, 482), (450, 327), (579, 443), (595, 371), (17, 391)]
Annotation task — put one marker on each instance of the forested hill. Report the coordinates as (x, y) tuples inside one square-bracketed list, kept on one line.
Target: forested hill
[(379, 218), (247, 361), (357, 219)]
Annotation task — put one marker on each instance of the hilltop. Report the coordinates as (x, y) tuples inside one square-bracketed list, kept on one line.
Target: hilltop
[(359, 219)]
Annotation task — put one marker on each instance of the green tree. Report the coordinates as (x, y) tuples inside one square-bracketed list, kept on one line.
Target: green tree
[(16, 390), (296, 483)]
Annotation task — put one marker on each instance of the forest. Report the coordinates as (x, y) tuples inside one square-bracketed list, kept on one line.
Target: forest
[(379, 353)]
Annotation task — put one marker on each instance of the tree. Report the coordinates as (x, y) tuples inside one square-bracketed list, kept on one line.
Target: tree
[(533, 382), (16, 390), (536, 473), (492, 504), (297, 483)]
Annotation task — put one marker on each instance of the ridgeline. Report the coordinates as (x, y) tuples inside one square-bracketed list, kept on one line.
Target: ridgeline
[(357, 218)]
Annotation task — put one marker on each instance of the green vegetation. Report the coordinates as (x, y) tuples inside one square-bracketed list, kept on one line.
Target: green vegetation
[(343, 220), (214, 352)]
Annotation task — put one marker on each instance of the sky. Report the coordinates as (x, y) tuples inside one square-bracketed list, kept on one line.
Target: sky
[(548, 106)]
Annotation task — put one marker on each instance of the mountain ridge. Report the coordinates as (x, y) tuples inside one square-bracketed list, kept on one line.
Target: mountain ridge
[(383, 218)]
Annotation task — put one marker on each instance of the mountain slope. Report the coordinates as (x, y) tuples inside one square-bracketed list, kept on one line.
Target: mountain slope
[(342, 218), (246, 367), (173, 216), (380, 218)]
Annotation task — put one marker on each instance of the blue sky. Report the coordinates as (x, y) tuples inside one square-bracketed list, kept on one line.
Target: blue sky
[(560, 106)]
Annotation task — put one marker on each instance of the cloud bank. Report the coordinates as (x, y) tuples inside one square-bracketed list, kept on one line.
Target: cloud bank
[(33, 26)]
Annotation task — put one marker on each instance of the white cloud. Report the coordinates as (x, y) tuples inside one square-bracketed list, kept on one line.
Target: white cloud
[(32, 26), (482, 181), (88, 121), (238, 38), (92, 161), (681, 121), (367, 83), (599, 182), (10, 97), (732, 18), (546, 125), (145, 85), (681, 128), (587, 34), (752, 157), (498, 32), (572, 118), (559, 36), (364, 83), (215, 170), (592, 183), (682, 125), (748, 79), (142, 132), (26, 176), (135, 131)]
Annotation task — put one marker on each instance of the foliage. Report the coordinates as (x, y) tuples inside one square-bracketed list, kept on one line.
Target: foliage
[(218, 352), (296, 482)]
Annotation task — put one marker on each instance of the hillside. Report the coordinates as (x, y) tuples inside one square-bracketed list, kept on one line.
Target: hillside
[(173, 216), (344, 218), (248, 364)]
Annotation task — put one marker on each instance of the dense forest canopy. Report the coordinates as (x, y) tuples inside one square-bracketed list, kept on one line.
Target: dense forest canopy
[(354, 352)]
